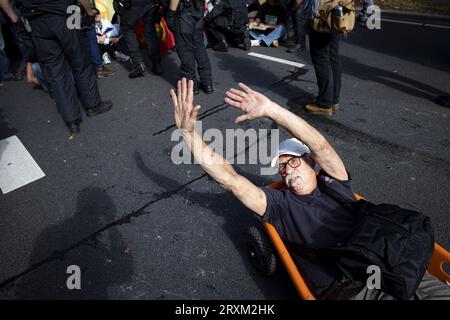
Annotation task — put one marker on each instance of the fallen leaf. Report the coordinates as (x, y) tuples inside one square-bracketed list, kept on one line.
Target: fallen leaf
[(9, 163)]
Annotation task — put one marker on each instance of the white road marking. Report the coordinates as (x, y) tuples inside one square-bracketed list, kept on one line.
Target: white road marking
[(17, 166), (417, 23), (263, 56)]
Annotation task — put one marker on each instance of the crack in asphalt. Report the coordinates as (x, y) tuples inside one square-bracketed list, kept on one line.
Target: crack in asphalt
[(60, 254), (293, 75), (201, 116)]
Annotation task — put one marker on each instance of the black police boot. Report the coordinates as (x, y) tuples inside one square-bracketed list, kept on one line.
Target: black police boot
[(157, 68), (138, 70), (222, 46), (196, 88), (100, 108), (246, 40), (207, 88), (74, 126)]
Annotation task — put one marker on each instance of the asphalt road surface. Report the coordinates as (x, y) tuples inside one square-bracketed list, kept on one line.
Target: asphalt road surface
[(140, 227)]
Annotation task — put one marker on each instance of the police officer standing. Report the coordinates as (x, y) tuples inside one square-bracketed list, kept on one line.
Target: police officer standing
[(228, 20), (131, 13), (185, 19), (64, 54)]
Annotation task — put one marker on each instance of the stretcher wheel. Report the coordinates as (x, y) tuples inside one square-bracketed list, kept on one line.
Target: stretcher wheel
[(260, 252)]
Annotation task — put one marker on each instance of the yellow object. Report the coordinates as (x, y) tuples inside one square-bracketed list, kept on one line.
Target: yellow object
[(106, 9)]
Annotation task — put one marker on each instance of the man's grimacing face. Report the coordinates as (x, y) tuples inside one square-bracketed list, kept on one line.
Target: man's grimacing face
[(301, 180)]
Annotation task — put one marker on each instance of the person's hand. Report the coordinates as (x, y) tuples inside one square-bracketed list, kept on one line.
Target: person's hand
[(254, 104), (183, 99), (101, 38)]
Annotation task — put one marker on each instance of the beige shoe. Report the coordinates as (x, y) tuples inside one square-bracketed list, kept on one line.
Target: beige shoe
[(315, 108), (275, 43), (336, 107)]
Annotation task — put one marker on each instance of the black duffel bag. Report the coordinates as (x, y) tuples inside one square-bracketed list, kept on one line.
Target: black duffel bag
[(399, 241)]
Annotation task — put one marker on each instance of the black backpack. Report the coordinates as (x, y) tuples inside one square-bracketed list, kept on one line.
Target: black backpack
[(399, 241)]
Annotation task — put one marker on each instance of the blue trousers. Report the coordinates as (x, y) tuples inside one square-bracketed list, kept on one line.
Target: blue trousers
[(4, 60), (277, 33), (95, 50)]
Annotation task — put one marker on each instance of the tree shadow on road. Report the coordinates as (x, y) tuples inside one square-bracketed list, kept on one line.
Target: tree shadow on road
[(102, 258), (237, 220)]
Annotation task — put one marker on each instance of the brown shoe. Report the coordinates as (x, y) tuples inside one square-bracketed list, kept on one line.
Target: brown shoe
[(315, 108), (103, 72)]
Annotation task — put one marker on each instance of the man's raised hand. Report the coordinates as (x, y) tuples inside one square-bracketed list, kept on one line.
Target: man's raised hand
[(254, 104), (184, 111)]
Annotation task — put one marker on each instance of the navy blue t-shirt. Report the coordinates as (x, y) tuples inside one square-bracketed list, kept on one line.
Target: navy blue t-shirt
[(315, 220)]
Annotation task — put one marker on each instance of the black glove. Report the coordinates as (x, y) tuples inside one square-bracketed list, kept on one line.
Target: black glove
[(87, 22), (171, 16)]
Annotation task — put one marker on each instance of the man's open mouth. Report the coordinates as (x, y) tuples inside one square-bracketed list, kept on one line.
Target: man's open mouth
[(293, 179)]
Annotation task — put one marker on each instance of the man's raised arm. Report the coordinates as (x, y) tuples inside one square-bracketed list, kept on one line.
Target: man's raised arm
[(256, 105), (215, 165)]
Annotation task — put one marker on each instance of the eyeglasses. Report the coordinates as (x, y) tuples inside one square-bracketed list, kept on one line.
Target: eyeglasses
[(293, 162)]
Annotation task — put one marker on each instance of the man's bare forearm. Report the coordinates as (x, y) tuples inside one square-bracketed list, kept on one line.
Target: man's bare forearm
[(8, 9), (211, 162), (298, 127), (173, 5)]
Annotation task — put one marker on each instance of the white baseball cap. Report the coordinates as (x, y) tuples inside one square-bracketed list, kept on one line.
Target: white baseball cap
[(291, 146)]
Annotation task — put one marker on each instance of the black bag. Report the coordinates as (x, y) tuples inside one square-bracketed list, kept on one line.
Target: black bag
[(399, 241)]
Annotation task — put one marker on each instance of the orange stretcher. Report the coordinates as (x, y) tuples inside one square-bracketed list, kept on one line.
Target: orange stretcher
[(436, 266)]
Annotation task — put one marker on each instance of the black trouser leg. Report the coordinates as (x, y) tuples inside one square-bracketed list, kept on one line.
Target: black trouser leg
[(128, 23), (336, 67), (201, 57), (301, 23), (56, 65), (150, 36), (76, 49), (58, 72), (185, 52), (215, 34), (320, 56)]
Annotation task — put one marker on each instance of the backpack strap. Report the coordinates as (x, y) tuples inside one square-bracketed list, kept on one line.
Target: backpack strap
[(356, 208)]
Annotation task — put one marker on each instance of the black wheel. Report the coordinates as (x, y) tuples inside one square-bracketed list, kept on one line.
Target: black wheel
[(260, 252)]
